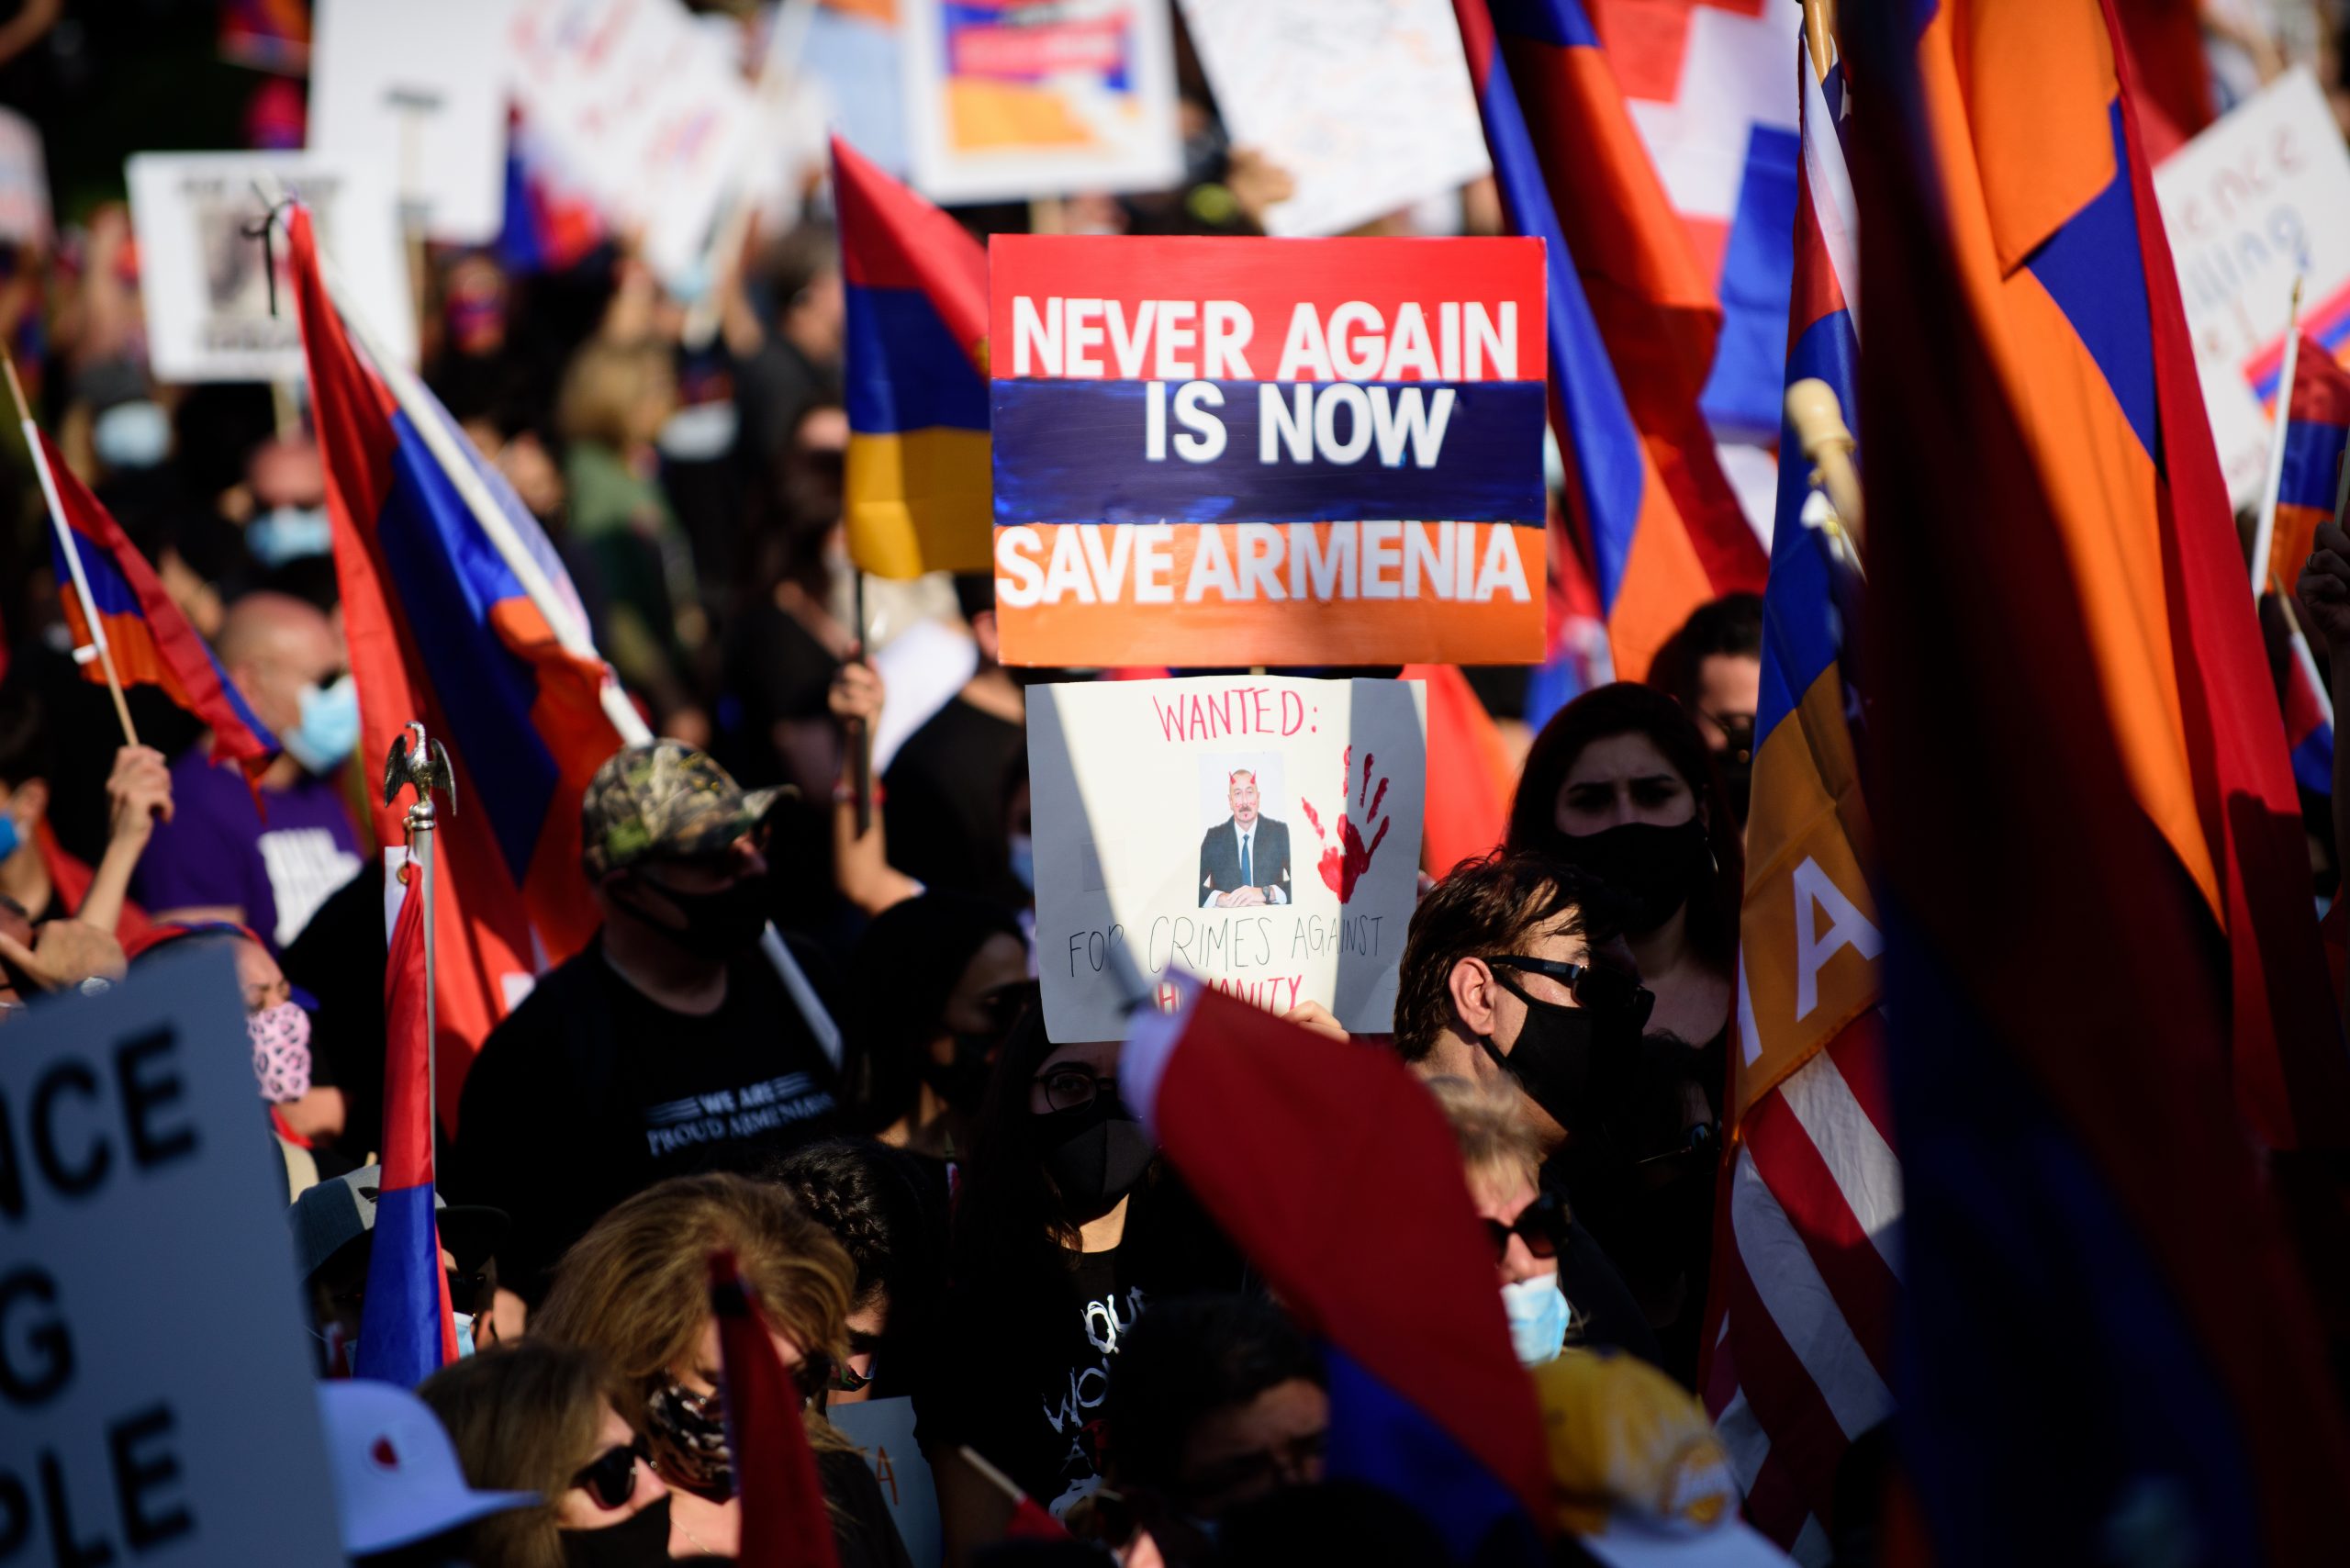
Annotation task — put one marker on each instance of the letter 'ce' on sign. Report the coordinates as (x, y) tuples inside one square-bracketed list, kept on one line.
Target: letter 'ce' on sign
[(1237, 451), (156, 1408)]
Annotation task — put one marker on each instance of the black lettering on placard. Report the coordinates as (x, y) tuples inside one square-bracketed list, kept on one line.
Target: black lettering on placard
[(136, 1475), (70, 1181), (37, 1378), (145, 1093), (69, 1552)]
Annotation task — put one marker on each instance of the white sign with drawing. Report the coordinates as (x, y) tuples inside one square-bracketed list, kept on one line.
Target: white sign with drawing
[(1259, 831)]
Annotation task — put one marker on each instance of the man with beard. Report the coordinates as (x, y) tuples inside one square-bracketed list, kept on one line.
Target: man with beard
[(667, 1045)]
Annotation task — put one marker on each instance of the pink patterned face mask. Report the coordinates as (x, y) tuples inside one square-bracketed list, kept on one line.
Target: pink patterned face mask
[(281, 1036)]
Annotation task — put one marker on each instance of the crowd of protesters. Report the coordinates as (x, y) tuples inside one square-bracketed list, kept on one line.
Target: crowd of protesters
[(960, 1210)]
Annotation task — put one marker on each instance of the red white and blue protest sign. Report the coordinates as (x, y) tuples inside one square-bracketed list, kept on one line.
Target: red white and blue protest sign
[(1215, 451)]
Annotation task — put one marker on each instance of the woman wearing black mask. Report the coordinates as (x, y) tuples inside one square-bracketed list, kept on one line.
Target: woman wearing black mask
[(941, 978), (1065, 1227), (1619, 785)]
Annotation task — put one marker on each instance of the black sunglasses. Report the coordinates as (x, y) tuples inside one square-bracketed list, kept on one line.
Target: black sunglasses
[(1541, 1224), (1600, 989), (1072, 1085), (611, 1479)]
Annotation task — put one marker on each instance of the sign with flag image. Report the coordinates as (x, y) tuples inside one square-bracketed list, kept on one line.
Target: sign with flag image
[(1235, 451), (1260, 832), (156, 1391)]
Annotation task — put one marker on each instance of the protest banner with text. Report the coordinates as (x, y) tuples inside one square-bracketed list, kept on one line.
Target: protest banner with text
[(1238, 451), (156, 1406), (1258, 831)]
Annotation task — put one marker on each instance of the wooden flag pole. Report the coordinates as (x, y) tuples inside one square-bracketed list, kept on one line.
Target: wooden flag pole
[(100, 647), (2263, 533), (860, 734), (1818, 30)]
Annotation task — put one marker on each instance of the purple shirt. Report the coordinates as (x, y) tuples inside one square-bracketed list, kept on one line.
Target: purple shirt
[(218, 850)]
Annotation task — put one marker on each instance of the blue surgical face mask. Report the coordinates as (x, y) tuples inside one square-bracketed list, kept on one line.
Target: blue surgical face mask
[(137, 434), (289, 533), (1023, 860), (465, 1322), (1537, 1318), (329, 729)]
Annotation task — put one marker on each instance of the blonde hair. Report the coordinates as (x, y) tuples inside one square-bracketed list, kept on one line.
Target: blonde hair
[(603, 387), (1497, 1147), (524, 1417), (635, 1289)]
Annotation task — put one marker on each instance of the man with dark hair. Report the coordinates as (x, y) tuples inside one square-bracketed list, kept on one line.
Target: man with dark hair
[(793, 363), (1216, 1400), (943, 812), (1712, 668)]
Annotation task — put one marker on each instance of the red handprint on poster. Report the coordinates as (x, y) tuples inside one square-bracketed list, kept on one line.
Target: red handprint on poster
[(1343, 864)]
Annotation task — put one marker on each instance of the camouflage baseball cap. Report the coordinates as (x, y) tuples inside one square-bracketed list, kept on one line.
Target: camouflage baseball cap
[(664, 799)]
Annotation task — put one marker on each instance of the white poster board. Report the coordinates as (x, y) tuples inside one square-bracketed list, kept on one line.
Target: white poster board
[(883, 1431), (2262, 193), (1133, 788), (158, 1408), (1315, 86), (643, 110), (205, 276), (417, 88), (1023, 98), (24, 182)]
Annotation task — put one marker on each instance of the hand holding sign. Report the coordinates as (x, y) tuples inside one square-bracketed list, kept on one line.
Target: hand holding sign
[(1342, 864)]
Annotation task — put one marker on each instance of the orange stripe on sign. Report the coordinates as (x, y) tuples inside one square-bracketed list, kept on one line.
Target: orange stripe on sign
[(1265, 593)]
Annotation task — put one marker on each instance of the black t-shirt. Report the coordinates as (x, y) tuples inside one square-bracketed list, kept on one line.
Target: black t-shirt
[(945, 810), (776, 670), (1023, 1373), (590, 1091)]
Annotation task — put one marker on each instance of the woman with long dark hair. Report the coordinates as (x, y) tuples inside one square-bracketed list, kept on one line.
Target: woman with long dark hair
[(1067, 1226)]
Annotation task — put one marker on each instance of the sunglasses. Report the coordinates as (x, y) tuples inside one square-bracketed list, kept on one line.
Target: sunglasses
[(1072, 1085), (611, 1479), (1541, 1224), (1600, 989)]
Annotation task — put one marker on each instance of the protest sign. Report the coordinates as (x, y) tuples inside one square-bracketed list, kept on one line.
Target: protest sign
[(158, 1402), (1020, 98), (420, 89), (1237, 451), (1141, 791), (641, 109), (853, 57), (24, 182), (206, 277), (883, 1431), (1314, 86), (2257, 197)]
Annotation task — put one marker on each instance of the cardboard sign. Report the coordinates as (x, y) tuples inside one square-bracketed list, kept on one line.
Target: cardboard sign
[(1237, 451), (641, 109), (2259, 195), (883, 1431), (392, 85), (1141, 793), (1010, 99), (205, 276), (1314, 85), (157, 1405), (24, 182)]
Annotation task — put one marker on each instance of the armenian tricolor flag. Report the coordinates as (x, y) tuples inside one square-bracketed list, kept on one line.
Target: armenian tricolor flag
[(442, 629), (2317, 430), (1807, 1242), (918, 479), (2094, 874), (150, 641), (2309, 716), (1303, 1149), (785, 1521), (1654, 563)]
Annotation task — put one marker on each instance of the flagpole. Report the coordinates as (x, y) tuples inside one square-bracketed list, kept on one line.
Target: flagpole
[(1818, 421), (1819, 27), (2263, 533), (860, 735), (423, 767), (72, 554)]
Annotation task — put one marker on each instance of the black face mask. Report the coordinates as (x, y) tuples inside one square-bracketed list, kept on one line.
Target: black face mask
[(1571, 1061), (640, 1541), (1736, 769), (962, 1082), (1652, 870), (722, 923), (1096, 1153)]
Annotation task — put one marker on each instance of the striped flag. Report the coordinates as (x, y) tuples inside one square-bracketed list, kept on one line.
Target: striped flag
[(1654, 562), (1800, 1357), (2309, 716), (2317, 430), (919, 495)]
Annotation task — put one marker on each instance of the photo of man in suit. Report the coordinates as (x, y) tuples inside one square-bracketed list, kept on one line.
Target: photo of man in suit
[(1244, 860)]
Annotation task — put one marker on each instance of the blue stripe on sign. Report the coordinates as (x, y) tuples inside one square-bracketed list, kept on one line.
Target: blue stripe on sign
[(2313, 464), (1073, 452)]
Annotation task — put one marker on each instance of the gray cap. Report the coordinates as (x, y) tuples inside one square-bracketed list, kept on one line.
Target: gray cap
[(332, 1215)]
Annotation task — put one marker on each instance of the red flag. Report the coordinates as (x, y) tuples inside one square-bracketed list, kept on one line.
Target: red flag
[(785, 1523), (1471, 776)]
